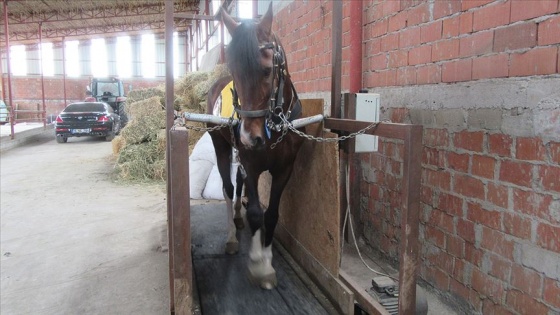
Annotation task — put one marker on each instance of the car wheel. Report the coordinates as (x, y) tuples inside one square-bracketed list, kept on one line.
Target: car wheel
[(61, 139)]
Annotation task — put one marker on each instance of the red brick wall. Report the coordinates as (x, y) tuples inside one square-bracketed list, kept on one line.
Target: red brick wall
[(27, 92), (490, 220)]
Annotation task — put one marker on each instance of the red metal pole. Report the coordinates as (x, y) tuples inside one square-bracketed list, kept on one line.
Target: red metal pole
[(64, 68), (356, 10), (255, 9), (41, 68), (10, 99)]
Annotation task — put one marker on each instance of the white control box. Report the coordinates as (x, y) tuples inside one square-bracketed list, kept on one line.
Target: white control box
[(367, 109)]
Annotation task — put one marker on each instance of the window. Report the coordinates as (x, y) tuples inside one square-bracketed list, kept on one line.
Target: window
[(47, 59), (148, 56), (124, 57), (71, 54), (98, 55), (18, 60)]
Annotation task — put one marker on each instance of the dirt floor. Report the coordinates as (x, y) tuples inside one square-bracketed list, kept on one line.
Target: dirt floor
[(74, 241)]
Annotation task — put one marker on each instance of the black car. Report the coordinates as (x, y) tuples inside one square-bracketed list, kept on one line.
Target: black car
[(93, 119)]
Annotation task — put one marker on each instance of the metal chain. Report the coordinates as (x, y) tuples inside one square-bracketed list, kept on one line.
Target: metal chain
[(320, 139)]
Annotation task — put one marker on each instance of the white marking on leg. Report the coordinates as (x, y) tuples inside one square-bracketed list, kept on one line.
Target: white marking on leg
[(232, 238), (255, 253), (267, 258)]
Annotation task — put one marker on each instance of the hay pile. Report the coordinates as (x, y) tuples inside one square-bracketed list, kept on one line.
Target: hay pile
[(140, 147)]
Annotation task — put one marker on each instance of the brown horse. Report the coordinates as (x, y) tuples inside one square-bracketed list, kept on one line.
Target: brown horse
[(264, 99)]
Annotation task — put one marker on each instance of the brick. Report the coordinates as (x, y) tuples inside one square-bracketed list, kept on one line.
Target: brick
[(496, 242), (377, 62), (406, 76), (490, 307), (455, 246), (431, 32), (450, 27), (409, 37), (465, 230), (515, 37), (526, 280), (532, 203), (537, 61), (450, 204), (549, 177), (496, 266), (434, 157), (549, 31), (518, 173), (469, 140), (483, 166), (457, 71), (531, 149), (541, 260), (516, 225), (477, 214), (428, 74), (437, 277), (390, 42), (419, 14), (419, 55), (478, 43), (458, 162), (437, 179), (397, 58), (524, 303), (466, 22), (487, 285), (378, 28), (468, 186), (493, 15), (524, 10), (397, 22), (551, 292), (436, 137), (488, 67), (444, 8), (390, 7), (500, 144), (473, 254), (399, 115), (497, 195), (554, 152), (548, 237), (465, 5), (445, 50)]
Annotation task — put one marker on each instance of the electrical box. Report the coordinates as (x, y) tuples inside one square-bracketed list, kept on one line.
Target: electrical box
[(367, 109)]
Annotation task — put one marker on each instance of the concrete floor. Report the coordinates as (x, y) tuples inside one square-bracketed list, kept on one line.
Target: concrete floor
[(72, 240)]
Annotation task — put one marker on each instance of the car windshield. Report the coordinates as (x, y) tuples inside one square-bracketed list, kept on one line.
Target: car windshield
[(107, 88), (84, 107)]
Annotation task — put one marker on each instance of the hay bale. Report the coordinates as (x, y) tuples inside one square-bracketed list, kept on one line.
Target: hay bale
[(143, 161), (149, 118), (117, 144)]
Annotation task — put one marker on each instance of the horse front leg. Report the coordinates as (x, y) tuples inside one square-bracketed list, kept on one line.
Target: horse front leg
[(238, 218), (261, 264)]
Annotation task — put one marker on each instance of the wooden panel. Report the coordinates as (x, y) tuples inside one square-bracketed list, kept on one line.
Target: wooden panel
[(179, 224)]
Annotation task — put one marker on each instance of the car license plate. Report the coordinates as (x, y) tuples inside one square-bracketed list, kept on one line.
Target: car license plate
[(80, 130)]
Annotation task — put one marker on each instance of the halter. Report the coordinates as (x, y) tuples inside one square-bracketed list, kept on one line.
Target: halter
[(276, 103)]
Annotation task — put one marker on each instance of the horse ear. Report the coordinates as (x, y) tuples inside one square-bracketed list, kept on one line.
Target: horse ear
[(266, 23), (228, 21)]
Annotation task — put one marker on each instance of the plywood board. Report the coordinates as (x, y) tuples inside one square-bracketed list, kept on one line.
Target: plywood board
[(309, 206)]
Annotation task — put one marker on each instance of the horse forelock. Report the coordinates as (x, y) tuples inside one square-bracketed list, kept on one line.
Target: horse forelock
[(243, 55)]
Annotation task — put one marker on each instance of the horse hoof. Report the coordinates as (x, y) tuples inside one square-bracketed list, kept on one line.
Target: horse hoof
[(266, 281), (239, 223), (232, 248)]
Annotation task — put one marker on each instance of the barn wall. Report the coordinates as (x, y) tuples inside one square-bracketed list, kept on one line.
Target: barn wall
[(27, 92), (482, 78)]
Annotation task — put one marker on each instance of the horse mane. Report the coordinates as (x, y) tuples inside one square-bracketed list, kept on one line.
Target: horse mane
[(243, 53)]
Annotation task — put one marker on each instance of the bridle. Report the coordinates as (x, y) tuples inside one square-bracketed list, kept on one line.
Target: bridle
[(274, 114)]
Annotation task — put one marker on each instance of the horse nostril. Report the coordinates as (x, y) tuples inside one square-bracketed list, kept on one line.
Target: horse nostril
[(258, 142)]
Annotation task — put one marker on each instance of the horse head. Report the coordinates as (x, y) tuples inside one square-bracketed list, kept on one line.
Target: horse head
[(253, 57)]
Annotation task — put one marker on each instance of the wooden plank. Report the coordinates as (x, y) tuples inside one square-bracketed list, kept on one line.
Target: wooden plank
[(368, 303), (408, 251), (222, 280), (180, 222), (336, 291)]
